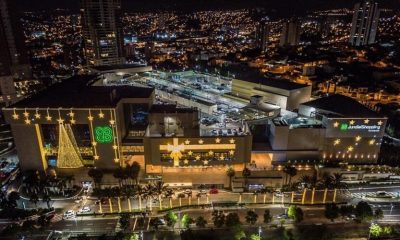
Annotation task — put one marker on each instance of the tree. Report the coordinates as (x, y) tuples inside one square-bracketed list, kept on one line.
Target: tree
[(246, 174), (299, 215), (96, 175), (119, 174), (230, 172), (13, 197), (171, 218), (124, 221), (232, 219), (251, 217), (346, 210), (295, 213), (363, 211), (291, 172), (159, 188), (375, 230), (331, 211), (378, 214), (267, 216), (155, 222), (186, 221), (46, 198), (133, 171), (218, 218), (309, 181), (255, 237), (133, 236), (201, 222)]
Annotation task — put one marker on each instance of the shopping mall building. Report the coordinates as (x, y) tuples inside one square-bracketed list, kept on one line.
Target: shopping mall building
[(82, 122)]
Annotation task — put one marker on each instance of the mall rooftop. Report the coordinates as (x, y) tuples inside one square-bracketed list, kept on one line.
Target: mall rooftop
[(337, 105), (78, 92)]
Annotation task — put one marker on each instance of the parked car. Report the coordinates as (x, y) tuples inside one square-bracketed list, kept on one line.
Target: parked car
[(69, 214), (85, 209)]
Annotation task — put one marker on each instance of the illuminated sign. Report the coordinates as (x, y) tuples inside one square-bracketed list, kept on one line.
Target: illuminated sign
[(369, 128), (103, 134)]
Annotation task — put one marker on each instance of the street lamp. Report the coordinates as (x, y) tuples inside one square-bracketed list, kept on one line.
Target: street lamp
[(259, 231)]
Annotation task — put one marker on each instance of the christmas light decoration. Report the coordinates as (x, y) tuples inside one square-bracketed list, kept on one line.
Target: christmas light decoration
[(68, 152)]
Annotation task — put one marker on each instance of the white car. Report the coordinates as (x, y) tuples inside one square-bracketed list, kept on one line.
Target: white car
[(69, 214), (85, 209)]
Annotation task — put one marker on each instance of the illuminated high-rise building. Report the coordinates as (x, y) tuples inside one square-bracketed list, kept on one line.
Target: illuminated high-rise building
[(262, 35), (14, 63), (290, 33), (365, 23), (102, 32)]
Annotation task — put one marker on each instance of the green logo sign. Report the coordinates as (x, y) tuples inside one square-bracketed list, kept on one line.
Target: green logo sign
[(103, 134), (344, 126)]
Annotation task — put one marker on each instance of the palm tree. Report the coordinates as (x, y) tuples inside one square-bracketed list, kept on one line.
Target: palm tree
[(337, 182), (133, 171), (159, 188), (230, 172), (291, 172), (13, 197), (96, 175), (309, 181), (46, 198), (34, 198), (119, 174), (246, 174)]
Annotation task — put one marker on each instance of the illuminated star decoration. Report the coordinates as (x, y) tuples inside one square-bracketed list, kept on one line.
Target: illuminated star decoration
[(371, 142), (210, 153), (232, 141), (205, 162), (352, 122), (187, 142), (26, 114), (15, 115), (37, 115), (186, 161), (350, 148), (218, 140), (112, 122), (336, 124), (197, 158), (366, 121), (380, 123), (358, 138), (201, 141), (96, 157), (27, 121), (101, 114), (231, 152), (73, 121), (190, 153), (48, 117), (221, 158), (336, 142)]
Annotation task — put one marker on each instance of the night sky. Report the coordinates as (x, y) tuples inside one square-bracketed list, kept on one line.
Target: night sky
[(288, 6)]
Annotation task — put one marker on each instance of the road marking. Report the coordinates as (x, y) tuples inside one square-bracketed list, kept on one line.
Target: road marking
[(110, 223), (89, 224)]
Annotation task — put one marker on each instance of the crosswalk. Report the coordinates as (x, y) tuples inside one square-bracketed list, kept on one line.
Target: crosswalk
[(362, 195)]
